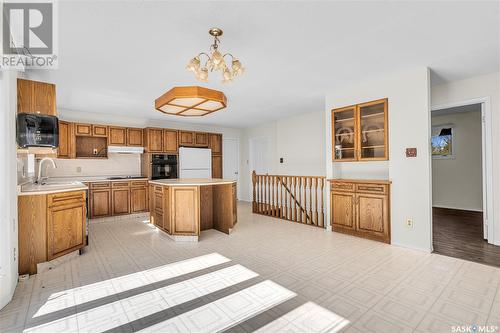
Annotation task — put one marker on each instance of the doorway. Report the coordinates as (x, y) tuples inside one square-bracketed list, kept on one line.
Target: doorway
[(258, 149), (231, 161), (460, 191)]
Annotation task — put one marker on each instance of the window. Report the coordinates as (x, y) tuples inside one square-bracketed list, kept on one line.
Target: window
[(442, 142)]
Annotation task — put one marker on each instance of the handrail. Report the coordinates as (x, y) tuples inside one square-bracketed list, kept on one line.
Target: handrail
[(294, 198)]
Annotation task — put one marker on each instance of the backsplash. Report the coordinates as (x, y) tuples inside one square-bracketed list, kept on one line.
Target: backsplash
[(115, 165)]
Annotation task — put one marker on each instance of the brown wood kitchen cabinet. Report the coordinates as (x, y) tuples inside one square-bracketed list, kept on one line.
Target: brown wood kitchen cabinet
[(67, 142), (50, 225), (36, 97), (159, 205), (186, 138), (153, 140), (361, 208), (200, 139), (100, 199), (120, 198), (134, 137), (117, 136), (170, 141), (216, 166), (215, 143), (138, 196), (360, 132)]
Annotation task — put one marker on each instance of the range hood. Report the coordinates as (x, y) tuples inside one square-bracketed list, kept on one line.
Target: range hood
[(125, 150)]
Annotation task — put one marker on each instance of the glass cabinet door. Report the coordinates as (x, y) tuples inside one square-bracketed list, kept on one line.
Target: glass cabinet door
[(373, 130), (344, 136)]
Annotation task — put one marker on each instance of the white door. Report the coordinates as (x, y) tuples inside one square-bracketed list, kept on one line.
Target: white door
[(231, 161), (258, 161)]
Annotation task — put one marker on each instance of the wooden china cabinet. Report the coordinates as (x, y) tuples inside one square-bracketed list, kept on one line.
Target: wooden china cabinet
[(360, 132)]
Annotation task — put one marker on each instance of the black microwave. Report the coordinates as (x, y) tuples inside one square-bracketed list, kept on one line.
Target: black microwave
[(35, 130)]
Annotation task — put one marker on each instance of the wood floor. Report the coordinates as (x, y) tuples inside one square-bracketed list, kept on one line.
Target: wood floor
[(459, 234)]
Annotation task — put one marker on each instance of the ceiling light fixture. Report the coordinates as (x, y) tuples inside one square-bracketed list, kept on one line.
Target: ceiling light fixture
[(215, 62), (191, 101)]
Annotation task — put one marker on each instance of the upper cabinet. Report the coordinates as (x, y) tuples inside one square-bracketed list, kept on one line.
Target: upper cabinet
[(153, 140), (66, 147), (117, 136), (360, 132), (134, 137), (170, 141), (36, 97), (215, 143), (193, 139)]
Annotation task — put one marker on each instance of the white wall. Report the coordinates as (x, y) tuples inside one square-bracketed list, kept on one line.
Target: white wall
[(299, 139), (457, 182), (8, 182), (484, 86), (409, 120)]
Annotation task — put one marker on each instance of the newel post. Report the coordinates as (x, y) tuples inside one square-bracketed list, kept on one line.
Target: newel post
[(254, 201)]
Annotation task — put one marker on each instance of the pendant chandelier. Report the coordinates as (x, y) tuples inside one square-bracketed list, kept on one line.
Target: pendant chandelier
[(215, 62)]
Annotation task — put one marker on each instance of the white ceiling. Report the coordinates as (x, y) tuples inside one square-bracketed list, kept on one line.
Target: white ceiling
[(117, 57)]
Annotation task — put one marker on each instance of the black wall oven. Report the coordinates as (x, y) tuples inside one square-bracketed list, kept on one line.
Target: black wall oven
[(163, 166)]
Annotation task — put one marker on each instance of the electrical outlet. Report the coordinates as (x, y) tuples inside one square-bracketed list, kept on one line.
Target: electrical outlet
[(409, 223), (79, 169)]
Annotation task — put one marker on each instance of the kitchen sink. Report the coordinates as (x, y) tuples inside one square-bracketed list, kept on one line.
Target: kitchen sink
[(49, 185)]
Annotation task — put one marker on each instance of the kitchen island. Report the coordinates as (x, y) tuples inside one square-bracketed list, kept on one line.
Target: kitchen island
[(184, 207)]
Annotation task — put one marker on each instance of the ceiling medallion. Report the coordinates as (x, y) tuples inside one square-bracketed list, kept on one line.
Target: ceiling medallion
[(215, 62), (191, 101)]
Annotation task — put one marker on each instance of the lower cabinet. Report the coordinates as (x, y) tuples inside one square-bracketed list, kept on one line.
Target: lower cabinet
[(216, 166), (50, 225), (185, 210), (159, 207), (235, 204), (361, 208), (118, 198)]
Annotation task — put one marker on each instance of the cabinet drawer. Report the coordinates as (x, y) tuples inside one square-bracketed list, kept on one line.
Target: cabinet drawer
[(371, 188), (99, 185), (339, 186), (119, 184), (65, 198), (137, 183)]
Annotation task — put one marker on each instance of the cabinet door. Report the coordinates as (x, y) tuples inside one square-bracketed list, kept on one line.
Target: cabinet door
[(66, 147), (100, 203), (372, 131), (216, 166), (134, 137), (186, 138), (65, 229), (24, 96), (138, 199), (170, 143), (44, 98), (121, 201), (372, 216), (216, 143), (155, 140), (117, 136), (344, 134), (200, 139), (100, 130), (83, 129), (185, 210), (342, 210)]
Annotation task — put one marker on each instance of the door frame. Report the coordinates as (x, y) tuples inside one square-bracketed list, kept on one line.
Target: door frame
[(238, 185), (487, 162)]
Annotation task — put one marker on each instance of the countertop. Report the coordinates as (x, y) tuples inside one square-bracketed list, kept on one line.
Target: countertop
[(34, 189), (365, 181), (192, 182)]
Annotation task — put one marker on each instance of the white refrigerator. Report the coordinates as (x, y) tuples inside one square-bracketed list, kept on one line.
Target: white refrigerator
[(195, 162)]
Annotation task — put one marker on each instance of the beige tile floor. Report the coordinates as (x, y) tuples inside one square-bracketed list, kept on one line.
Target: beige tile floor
[(268, 276)]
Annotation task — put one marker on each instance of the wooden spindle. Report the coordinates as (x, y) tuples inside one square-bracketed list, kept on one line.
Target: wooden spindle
[(322, 203)]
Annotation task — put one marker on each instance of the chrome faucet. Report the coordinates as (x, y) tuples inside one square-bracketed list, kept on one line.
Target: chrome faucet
[(39, 177)]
